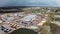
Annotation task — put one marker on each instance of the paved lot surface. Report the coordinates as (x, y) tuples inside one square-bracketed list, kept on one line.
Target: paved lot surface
[(1, 32), (57, 31)]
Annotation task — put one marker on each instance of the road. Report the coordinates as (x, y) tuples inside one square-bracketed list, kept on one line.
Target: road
[(56, 22)]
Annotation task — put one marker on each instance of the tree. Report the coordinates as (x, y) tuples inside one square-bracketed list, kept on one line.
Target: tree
[(46, 30), (23, 31), (51, 15)]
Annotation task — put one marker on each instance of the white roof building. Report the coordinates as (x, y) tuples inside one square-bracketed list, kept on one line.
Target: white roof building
[(28, 18)]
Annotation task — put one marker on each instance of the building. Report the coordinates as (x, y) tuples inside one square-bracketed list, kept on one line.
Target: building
[(28, 18)]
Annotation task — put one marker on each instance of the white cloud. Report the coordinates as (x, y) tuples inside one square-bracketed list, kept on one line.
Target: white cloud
[(30, 2)]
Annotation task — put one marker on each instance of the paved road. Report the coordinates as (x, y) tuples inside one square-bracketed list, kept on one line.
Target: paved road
[(56, 22), (57, 16)]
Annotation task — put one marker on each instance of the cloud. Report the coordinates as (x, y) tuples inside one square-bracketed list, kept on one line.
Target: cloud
[(30, 3)]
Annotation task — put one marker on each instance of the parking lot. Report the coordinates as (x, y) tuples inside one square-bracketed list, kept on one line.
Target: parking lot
[(15, 21), (1, 32)]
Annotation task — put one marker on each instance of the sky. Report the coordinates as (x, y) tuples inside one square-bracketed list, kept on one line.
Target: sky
[(53, 3)]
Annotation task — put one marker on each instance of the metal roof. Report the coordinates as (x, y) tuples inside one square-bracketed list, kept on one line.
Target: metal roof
[(28, 17)]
